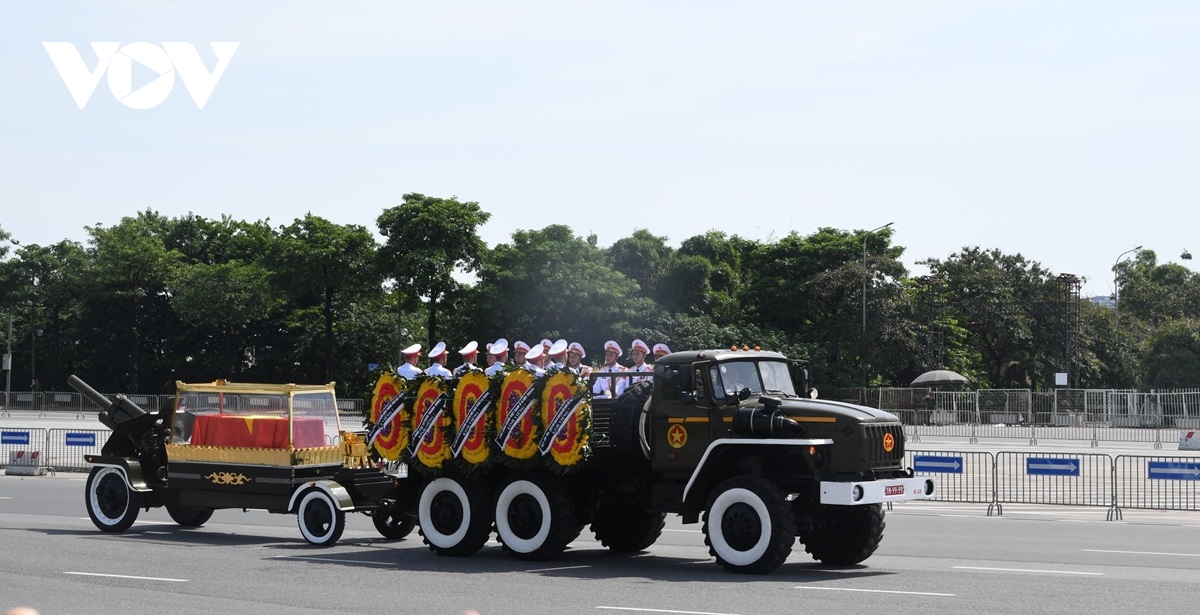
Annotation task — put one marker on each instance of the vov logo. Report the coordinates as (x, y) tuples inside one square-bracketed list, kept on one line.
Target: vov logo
[(118, 61)]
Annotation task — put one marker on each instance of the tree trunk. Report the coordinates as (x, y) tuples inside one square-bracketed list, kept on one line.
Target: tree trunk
[(432, 322), (328, 334), (134, 349)]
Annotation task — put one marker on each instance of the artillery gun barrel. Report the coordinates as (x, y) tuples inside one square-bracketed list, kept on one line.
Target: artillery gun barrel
[(89, 392)]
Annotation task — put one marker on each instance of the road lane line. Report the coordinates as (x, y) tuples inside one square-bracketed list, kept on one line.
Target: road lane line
[(553, 569), (685, 531), (627, 608), (1095, 574), (1141, 552), (872, 591), (323, 559), (125, 576)]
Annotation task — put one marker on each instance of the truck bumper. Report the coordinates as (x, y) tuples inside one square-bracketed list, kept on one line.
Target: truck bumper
[(876, 491)]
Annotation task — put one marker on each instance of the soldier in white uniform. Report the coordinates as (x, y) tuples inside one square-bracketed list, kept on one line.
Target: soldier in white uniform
[(637, 351), (409, 370), (660, 351), (470, 353), (546, 344), (519, 350), (533, 360), (557, 355), (499, 349), (575, 357), (604, 386), (438, 357)]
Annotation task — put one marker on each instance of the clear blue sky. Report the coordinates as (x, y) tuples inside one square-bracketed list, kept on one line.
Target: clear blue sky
[(1062, 131)]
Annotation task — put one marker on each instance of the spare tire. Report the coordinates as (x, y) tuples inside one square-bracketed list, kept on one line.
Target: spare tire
[(631, 425)]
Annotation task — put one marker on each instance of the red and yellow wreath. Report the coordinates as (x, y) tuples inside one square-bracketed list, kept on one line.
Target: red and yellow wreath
[(563, 392), (434, 448), (516, 392), (474, 445), (392, 437)]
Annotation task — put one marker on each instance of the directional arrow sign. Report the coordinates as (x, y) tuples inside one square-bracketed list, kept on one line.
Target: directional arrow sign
[(1050, 466), (934, 463), (14, 437), (1168, 470), (81, 439)]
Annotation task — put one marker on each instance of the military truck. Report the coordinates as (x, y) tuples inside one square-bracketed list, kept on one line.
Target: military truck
[(730, 438)]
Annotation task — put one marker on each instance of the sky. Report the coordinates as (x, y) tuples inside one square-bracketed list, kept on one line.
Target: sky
[(1062, 131)]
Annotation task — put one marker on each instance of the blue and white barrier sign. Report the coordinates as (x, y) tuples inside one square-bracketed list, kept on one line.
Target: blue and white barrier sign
[(81, 439), (1051, 466), (14, 437), (1171, 470), (937, 463)]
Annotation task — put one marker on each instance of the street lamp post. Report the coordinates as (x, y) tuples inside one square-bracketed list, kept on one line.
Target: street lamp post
[(1117, 286), (863, 339)]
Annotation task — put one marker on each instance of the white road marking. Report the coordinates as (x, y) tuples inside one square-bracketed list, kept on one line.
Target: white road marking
[(1141, 552), (324, 559), (685, 531), (125, 576), (626, 608), (553, 569), (1096, 574), (873, 591)]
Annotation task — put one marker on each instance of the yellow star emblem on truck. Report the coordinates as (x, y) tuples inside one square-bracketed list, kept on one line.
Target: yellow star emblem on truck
[(677, 436)]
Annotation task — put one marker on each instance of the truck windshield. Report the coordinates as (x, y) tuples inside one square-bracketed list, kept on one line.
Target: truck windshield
[(776, 377), (762, 377)]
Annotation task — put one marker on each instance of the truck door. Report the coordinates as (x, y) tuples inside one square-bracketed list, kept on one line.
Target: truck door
[(680, 430)]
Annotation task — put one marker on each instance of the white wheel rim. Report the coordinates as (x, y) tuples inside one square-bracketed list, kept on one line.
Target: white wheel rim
[(511, 540), (305, 502), (716, 515), (436, 538), (95, 501)]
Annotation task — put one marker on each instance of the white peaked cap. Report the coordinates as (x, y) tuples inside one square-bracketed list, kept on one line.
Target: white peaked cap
[(520, 346), (613, 346), (547, 342), (438, 350), (577, 347), (559, 347), (661, 349), (499, 346), (640, 345), (471, 347), (414, 349), (534, 353)]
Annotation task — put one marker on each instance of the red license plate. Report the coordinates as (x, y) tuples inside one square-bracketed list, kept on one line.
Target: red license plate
[(893, 490)]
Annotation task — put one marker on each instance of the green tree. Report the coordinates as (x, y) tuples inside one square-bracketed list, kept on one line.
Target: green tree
[(644, 258), (323, 268), (428, 239), (1172, 359), (1157, 293), (227, 298)]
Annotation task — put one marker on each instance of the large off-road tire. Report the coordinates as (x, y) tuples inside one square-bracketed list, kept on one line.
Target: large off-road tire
[(629, 435), (393, 522), (189, 516), (321, 521), (111, 504), (455, 516), (625, 528), (748, 525), (845, 535), (535, 517)]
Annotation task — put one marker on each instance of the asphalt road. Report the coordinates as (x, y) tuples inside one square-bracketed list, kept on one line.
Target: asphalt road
[(935, 558)]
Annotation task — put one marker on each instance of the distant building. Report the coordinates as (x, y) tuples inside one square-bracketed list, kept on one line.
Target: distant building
[(1104, 301)]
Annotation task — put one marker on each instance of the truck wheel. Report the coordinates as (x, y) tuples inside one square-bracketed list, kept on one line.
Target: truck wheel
[(845, 535), (321, 521), (393, 522), (111, 504), (454, 515), (625, 528), (189, 516), (535, 517), (629, 425), (748, 526)]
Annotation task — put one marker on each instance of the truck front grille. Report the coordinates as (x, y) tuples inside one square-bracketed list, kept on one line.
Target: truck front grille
[(877, 454)]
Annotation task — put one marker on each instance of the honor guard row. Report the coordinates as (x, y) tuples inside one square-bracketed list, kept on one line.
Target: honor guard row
[(537, 359)]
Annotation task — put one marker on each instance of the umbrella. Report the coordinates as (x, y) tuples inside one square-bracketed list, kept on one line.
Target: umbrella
[(940, 377)]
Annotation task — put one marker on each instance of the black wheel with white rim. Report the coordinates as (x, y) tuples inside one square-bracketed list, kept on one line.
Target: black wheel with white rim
[(748, 525), (111, 504), (189, 516), (626, 528), (455, 516), (393, 521), (321, 521), (535, 517)]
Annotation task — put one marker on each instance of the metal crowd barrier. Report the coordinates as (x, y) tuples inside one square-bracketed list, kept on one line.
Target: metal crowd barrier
[(1171, 483), (56, 449), (962, 476), (14, 440)]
